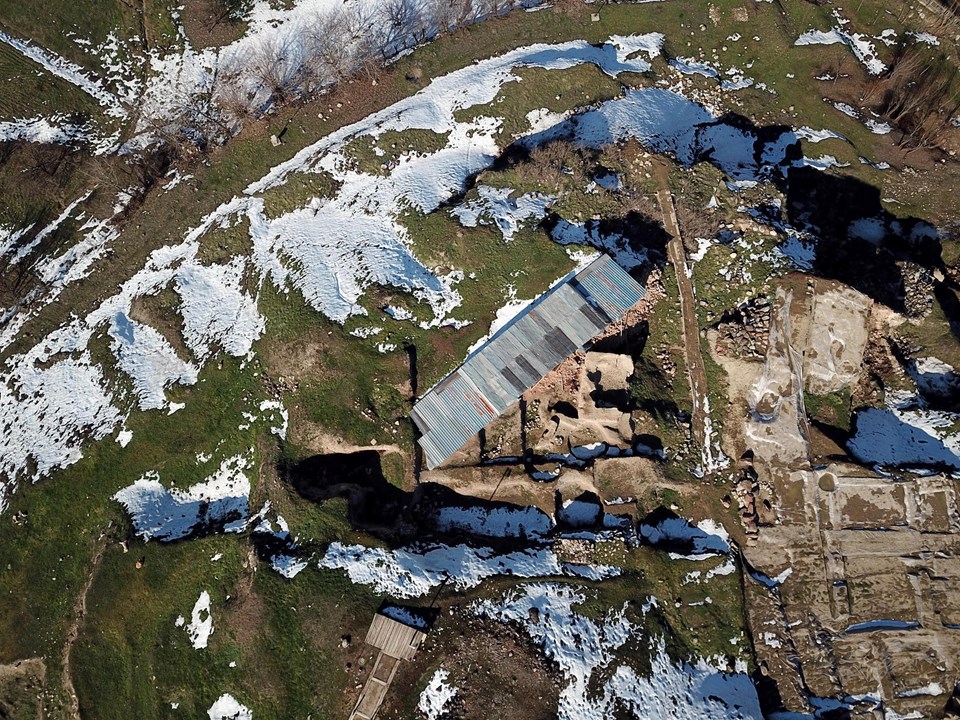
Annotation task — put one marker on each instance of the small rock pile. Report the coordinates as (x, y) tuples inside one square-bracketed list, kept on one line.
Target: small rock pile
[(743, 332), (745, 492), (753, 498), (666, 363), (918, 289)]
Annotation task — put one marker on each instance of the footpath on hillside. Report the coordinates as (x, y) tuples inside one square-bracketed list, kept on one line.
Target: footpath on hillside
[(688, 308)]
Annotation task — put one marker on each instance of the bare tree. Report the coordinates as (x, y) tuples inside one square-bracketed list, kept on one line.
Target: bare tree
[(277, 65)]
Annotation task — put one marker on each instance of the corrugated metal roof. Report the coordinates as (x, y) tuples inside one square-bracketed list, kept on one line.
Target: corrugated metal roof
[(493, 377)]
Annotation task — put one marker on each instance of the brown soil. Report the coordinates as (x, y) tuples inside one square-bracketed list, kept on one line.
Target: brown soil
[(205, 25), (496, 670), (21, 687)]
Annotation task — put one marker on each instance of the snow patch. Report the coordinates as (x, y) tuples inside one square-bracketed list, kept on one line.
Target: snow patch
[(227, 707), (201, 622), (436, 697), (581, 646), (221, 501)]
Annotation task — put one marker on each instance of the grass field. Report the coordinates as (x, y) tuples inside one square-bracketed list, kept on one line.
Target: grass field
[(129, 648)]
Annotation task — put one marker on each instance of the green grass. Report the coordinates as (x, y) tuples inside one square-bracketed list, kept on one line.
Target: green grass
[(282, 634), (130, 649), (298, 190), (832, 409), (392, 145), (221, 245), (529, 264), (44, 562), (558, 91), (651, 384)]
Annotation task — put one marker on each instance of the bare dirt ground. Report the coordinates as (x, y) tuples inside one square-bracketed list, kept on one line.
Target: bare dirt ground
[(21, 688), (497, 672)]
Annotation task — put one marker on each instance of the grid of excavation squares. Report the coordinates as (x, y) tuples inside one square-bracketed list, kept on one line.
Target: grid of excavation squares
[(561, 321)]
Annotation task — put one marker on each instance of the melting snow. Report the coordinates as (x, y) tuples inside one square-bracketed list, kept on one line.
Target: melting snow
[(66, 70), (281, 417), (201, 622), (862, 48), (934, 378), (55, 130), (228, 708), (412, 572), (507, 213), (161, 514), (436, 696), (580, 646), (283, 549), (933, 688), (877, 127), (700, 542)]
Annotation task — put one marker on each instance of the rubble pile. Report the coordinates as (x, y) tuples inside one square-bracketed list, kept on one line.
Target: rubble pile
[(742, 333)]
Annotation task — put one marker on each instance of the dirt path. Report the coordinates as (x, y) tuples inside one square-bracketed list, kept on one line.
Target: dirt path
[(79, 612), (688, 308)]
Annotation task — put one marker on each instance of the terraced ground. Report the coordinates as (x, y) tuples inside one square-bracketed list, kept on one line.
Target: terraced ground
[(289, 306)]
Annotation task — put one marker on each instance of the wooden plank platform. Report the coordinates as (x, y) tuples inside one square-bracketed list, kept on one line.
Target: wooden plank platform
[(394, 638)]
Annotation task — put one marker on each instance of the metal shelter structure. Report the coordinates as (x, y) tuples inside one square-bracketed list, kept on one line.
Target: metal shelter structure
[(561, 321)]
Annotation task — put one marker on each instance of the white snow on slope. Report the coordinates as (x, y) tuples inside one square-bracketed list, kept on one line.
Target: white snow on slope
[(580, 646), (201, 622), (227, 707), (165, 514), (53, 130), (24, 250), (49, 405), (339, 246), (414, 571), (494, 205), (934, 378), (436, 695), (49, 411), (150, 361), (861, 46), (408, 573), (216, 312), (331, 251), (283, 559), (59, 271), (66, 70), (667, 122)]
